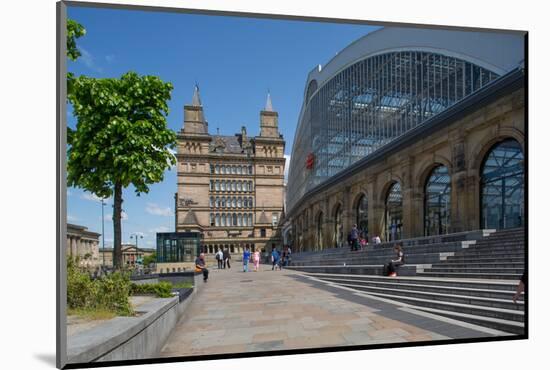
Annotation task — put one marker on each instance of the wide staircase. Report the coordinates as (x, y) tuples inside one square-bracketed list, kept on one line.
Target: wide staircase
[(469, 277)]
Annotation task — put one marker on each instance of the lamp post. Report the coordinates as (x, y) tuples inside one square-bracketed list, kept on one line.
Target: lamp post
[(136, 237), (103, 227)]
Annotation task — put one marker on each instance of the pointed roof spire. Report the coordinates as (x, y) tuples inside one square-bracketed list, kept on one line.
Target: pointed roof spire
[(196, 97), (268, 105)]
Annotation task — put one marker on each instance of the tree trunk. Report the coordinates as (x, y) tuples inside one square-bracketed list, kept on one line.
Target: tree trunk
[(117, 213)]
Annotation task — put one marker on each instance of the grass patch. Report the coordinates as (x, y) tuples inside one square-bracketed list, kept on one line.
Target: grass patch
[(91, 314), (186, 284)]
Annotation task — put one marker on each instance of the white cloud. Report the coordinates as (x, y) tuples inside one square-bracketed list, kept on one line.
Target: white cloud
[(155, 209), (71, 218), (92, 197), (123, 216), (160, 229), (89, 60), (110, 58)]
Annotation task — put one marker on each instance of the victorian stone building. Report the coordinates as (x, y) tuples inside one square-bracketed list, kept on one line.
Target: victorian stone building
[(409, 133), (230, 188)]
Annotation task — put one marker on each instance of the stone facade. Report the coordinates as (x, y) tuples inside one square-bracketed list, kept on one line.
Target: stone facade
[(461, 146), (230, 188), (130, 254), (83, 244)]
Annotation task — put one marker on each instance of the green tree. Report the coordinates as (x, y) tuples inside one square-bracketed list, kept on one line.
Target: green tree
[(152, 258), (74, 31), (121, 138)]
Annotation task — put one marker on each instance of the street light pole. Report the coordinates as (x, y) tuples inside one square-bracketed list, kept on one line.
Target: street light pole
[(103, 228)]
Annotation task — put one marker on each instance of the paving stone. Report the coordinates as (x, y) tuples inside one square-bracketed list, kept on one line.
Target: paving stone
[(285, 311)]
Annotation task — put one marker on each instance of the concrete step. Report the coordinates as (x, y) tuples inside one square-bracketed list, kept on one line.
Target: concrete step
[(499, 264), (473, 275), (466, 259), (513, 327), (492, 312), (440, 295), (405, 270), (496, 270), (501, 285), (427, 287)]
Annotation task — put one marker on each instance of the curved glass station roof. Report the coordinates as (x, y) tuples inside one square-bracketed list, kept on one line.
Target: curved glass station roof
[(384, 85)]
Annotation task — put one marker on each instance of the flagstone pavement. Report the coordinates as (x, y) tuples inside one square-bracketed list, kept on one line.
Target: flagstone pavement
[(275, 310)]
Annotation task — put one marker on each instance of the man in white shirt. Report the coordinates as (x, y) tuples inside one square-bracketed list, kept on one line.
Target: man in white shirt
[(219, 258)]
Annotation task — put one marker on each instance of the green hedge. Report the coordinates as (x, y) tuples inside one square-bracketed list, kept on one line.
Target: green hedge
[(109, 292), (161, 289)]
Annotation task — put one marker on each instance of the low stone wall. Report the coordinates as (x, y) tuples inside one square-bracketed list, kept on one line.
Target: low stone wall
[(140, 337)]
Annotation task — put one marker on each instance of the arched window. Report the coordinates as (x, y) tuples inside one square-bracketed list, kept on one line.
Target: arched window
[(233, 185), (250, 170), (211, 201), (223, 185), (245, 202), (239, 219), (239, 170), (217, 185), (502, 203), (250, 202), (233, 170), (211, 168), (217, 169), (239, 186), (338, 227), (362, 215), (217, 201), (239, 202), (394, 212), (211, 219), (228, 220), (217, 219), (320, 231), (437, 202), (234, 219), (234, 202), (222, 220), (223, 202)]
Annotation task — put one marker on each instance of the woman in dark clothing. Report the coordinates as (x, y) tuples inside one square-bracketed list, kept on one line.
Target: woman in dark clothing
[(400, 260), (200, 266)]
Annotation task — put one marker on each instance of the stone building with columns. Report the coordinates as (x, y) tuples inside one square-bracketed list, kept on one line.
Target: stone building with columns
[(83, 244), (230, 188), (410, 132)]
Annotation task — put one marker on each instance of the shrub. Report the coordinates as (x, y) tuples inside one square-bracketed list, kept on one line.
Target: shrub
[(81, 290), (109, 293), (161, 289), (114, 292)]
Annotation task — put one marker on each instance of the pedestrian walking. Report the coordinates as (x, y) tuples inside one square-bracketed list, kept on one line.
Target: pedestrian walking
[(246, 258), (226, 258), (200, 266), (256, 259), (219, 258), (275, 256)]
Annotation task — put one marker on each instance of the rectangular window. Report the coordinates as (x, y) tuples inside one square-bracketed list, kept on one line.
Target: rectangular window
[(262, 233)]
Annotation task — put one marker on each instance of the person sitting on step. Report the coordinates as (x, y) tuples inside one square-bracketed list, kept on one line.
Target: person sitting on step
[(400, 260)]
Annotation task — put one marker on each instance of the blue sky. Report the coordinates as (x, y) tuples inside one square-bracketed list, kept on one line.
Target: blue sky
[(234, 60)]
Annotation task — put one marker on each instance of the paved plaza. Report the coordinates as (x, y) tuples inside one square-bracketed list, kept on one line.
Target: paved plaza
[(280, 310)]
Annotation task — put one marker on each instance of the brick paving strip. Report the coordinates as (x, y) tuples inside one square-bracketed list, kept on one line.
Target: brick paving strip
[(277, 310)]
